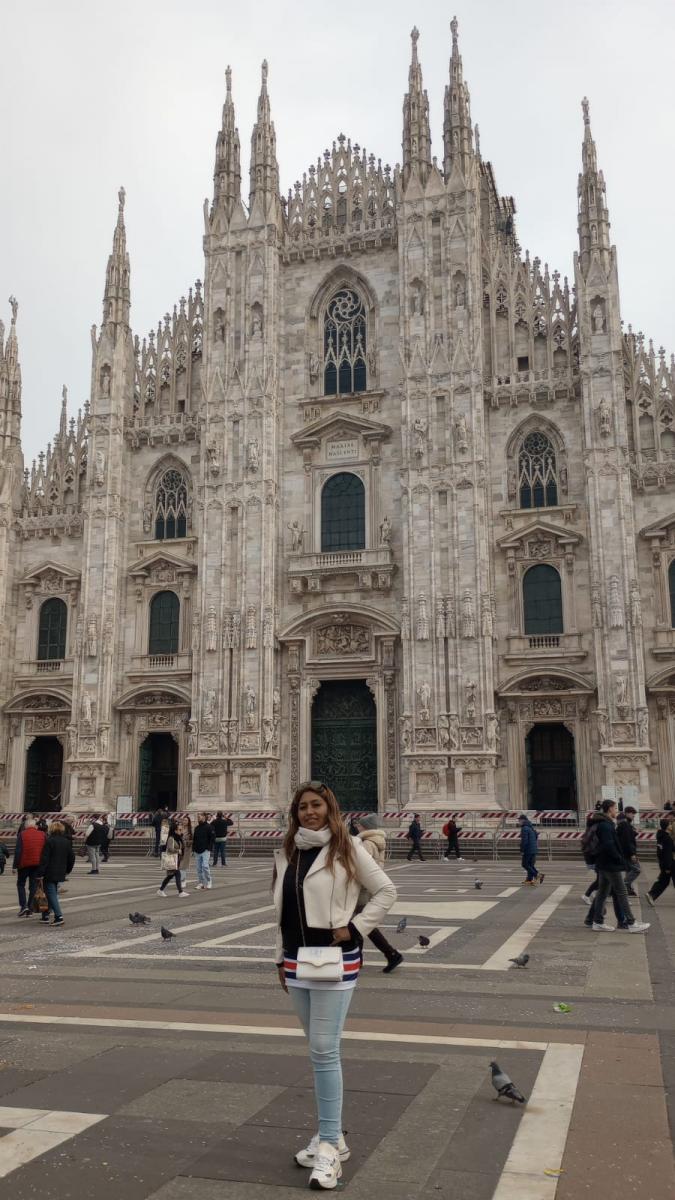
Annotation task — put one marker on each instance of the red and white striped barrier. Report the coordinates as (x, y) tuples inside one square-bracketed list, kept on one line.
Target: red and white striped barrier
[(508, 835), (456, 813), (400, 834), (258, 815), (647, 835), (265, 834), (566, 835), (475, 835), (130, 834), (397, 816)]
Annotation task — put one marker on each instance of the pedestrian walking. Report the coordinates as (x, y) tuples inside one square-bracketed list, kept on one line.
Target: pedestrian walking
[(202, 845), (528, 850), (104, 852), (94, 838), (27, 854), (159, 816), (375, 842), (590, 858), (451, 831), (415, 836), (56, 863), (171, 860), (220, 826), (611, 865), (665, 853), (185, 827), (627, 835), (318, 876)]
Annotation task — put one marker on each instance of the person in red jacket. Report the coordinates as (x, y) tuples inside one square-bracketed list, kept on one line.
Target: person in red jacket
[(29, 845)]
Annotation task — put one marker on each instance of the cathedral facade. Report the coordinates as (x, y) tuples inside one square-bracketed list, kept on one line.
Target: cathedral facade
[(382, 502)]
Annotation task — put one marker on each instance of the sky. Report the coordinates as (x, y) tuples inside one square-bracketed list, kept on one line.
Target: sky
[(96, 95)]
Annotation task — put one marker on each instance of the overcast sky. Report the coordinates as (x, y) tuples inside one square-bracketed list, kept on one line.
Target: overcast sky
[(93, 96)]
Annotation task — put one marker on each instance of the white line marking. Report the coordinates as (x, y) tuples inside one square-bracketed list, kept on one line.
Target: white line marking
[(542, 1133), (35, 1131), (422, 1039), (508, 892), (521, 939), (456, 910), (102, 951), (238, 933), (93, 896)]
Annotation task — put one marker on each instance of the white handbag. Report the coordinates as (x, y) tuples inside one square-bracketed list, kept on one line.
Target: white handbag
[(323, 964)]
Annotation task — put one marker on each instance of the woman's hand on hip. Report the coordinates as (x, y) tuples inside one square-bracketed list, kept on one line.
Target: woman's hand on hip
[(282, 977), (341, 935)]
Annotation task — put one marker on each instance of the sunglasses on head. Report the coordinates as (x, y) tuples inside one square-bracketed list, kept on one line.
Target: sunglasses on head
[(314, 785)]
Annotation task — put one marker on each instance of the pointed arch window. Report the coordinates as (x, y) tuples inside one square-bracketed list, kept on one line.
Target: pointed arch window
[(343, 513), (542, 600), (52, 630), (537, 472), (171, 501), (164, 623), (344, 344)]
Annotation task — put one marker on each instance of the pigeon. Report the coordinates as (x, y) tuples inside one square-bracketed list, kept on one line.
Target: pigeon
[(137, 918), (167, 935), (402, 924), (521, 960), (478, 883), (505, 1086), (423, 941)]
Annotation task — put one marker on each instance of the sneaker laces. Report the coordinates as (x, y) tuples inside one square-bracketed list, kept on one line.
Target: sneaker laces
[(325, 1162)]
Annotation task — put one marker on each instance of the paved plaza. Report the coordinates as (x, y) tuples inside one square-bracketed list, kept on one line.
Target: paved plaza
[(136, 1068)]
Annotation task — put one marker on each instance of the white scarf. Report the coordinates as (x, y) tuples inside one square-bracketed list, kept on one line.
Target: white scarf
[(309, 839)]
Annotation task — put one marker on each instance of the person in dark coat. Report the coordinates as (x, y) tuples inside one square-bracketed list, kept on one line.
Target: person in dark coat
[(611, 865), (528, 851), (665, 853), (220, 826), (56, 863), (174, 845), (627, 835), (29, 845), (158, 820), (202, 845), (590, 860), (415, 836), (451, 832)]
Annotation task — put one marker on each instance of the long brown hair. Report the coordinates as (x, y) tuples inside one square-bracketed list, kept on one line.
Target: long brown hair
[(340, 846)]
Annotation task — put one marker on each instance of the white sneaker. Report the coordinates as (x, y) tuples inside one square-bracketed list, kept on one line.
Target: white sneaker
[(602, 928), (199, 887), (638, 927), (327, 1168), (182, 895), (445, 858), (161, 893), (306, 1157), (208, 885), (586, 899), (460, 859)]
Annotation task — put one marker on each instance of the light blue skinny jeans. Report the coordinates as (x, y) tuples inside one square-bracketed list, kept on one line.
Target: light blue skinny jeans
[(322, 1014), (203, 868)]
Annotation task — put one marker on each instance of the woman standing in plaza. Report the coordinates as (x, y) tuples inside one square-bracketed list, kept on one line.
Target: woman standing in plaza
[(171, 859), (318, 877), (185, 827)]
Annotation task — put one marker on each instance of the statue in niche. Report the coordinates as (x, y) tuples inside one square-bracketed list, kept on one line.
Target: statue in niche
[(86, 709), (224, 737), (276, 704), (424, 700), (234, 735), (417, 301), (92, 637), (297, 537), (219, 325), (256, 321), (71, 733), (635, 605), (462, 434), (468, 620), (422, 619), (79, 634), (643, 727), (406, 732), (236, 630), (598, 318), (419, 437), (460, 292), (209, 708), (470, 692), (314, 367), (192, 737), (492, 731), (371, 359), (621, 690), (268, 734), (385, 532), (440, 618), (105, 381), (603, 726), (99, 468), (453, 731), (615, 606), (147, 519), (511, 483), (443, 731), (486, 622), (196, 633), (253, 455), (212, 456), (268, 628), (250, 706), (596, 607), (605, 417), (211, 628)]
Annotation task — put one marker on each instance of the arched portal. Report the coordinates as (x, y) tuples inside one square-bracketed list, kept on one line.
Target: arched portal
[(158, 773), (44, 775), (344, 743), (551, 767)]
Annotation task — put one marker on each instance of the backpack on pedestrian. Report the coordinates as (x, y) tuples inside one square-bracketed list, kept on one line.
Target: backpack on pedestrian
[(590, 842)]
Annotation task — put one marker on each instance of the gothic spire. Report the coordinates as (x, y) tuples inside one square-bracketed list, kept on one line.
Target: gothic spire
[(416, 131), (264, 167), (227, 171), (457, 134), (116, 299), (10, 383), (593, 223)]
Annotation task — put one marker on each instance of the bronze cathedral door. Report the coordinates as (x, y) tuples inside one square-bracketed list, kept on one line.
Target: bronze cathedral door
[(344, 743)]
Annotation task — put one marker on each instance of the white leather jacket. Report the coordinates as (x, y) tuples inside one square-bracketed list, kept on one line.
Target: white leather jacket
[(331, 899)]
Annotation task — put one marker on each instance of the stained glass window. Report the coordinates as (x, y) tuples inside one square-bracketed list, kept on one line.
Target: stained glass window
[(171, 500), (542, 600), (343, 513), (344, 344), (537, 478)]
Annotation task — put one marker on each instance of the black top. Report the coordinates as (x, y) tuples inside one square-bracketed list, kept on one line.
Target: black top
[(664, 849), (610, 857), (202, 837), (291, 926), (58, 858), (220, 826), (627, 835)]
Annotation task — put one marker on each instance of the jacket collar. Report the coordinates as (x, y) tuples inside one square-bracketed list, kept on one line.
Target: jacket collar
[(319, 861)]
